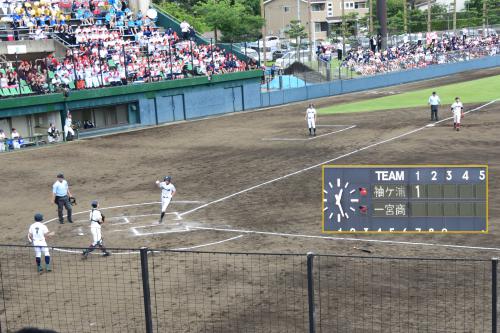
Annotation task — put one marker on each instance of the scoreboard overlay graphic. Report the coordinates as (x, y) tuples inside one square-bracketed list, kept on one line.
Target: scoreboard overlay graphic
[(405, 199)]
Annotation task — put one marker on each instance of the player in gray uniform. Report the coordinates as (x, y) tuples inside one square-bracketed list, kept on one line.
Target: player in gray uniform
[(167, 193)]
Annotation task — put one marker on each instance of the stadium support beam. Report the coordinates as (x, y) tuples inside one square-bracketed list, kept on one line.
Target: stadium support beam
[(382, 19)]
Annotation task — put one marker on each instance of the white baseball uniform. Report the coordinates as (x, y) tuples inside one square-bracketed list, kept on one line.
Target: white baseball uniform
[(167, 191), (95, 226), (38, 231), (457, 108), (311, 117)]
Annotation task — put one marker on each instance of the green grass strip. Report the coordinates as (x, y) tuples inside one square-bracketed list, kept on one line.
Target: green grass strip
[(475, 91)]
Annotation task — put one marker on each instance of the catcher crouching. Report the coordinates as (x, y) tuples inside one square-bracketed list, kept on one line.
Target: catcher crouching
[(96, 220)]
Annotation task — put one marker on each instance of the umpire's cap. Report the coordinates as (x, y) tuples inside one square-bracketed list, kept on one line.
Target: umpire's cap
[(94, 203), (60, 175), (167, 178), (38, 217)]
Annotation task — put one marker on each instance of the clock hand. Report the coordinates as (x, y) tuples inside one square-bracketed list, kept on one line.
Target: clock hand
[(340, 208)]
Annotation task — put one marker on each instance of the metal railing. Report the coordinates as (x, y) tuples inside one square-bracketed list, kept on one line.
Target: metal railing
[(145, 290)]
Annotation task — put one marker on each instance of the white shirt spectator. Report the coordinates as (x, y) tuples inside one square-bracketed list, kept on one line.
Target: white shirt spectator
[(185, 26)]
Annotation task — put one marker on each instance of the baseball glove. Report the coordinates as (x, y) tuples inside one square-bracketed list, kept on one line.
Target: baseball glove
[(103, 218), (72, 201)]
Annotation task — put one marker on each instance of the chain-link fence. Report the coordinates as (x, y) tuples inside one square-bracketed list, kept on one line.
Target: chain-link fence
[(144, 290)]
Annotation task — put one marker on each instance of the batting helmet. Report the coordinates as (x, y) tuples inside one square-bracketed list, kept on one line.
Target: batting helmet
[(38, 217), (94, 204), (60, 175), (167, 178)]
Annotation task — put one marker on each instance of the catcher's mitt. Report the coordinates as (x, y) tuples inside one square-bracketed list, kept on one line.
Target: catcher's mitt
[(72, 201)]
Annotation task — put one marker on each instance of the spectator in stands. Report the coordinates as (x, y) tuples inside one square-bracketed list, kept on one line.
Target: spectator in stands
[(4, 82), (185, 28), (56, 81), (53, 133), (16, 137), (2, 140)]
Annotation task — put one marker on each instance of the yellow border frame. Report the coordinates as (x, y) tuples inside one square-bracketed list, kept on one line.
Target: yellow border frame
[(366, 166)]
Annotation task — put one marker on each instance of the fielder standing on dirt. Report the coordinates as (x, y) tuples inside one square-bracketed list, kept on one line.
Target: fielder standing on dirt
[(36, 236), (458, 112), (96, 220), (61, 197), (167, 193), (311, 119)]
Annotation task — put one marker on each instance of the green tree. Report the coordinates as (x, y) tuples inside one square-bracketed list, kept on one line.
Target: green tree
[(232, 18), (182, 14), (298, 31)]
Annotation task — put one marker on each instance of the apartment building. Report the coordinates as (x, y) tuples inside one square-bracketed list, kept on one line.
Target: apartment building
[(325, 14)]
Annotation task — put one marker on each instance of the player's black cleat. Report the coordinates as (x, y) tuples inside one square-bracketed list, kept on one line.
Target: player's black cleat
[(106, 254)]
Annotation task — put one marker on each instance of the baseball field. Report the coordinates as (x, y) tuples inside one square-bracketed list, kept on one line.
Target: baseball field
[(246, 182)]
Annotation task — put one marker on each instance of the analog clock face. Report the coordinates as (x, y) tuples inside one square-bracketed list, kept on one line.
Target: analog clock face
[(341, 200)]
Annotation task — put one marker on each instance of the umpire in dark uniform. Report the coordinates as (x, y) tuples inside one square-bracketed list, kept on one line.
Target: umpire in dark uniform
[(61, 196)]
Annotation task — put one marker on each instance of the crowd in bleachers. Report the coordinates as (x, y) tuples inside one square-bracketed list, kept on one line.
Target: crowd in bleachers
[(110, 46), (419, 54)]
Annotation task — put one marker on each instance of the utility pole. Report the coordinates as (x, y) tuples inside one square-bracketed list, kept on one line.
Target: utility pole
[(382, 19), (405, 16), (485, 13), (311, 40), (343, 28), (371, 17), (454, 15), (429, 7), (264, 31)]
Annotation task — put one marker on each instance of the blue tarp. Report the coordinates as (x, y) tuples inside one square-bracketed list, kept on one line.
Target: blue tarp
[(288, 81)]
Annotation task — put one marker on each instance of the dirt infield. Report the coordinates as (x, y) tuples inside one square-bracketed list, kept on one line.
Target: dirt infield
[(214, 158), (265, 193)]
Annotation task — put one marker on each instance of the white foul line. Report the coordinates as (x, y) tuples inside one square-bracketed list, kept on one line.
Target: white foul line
[(325, 162), (307, 139), (208, 244), (240, 231)]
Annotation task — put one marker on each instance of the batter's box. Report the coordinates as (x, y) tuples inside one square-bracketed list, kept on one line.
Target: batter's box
[(332, 129), (157, 229)]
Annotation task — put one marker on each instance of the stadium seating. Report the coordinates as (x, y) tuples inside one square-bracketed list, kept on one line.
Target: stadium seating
[(107, 45)]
